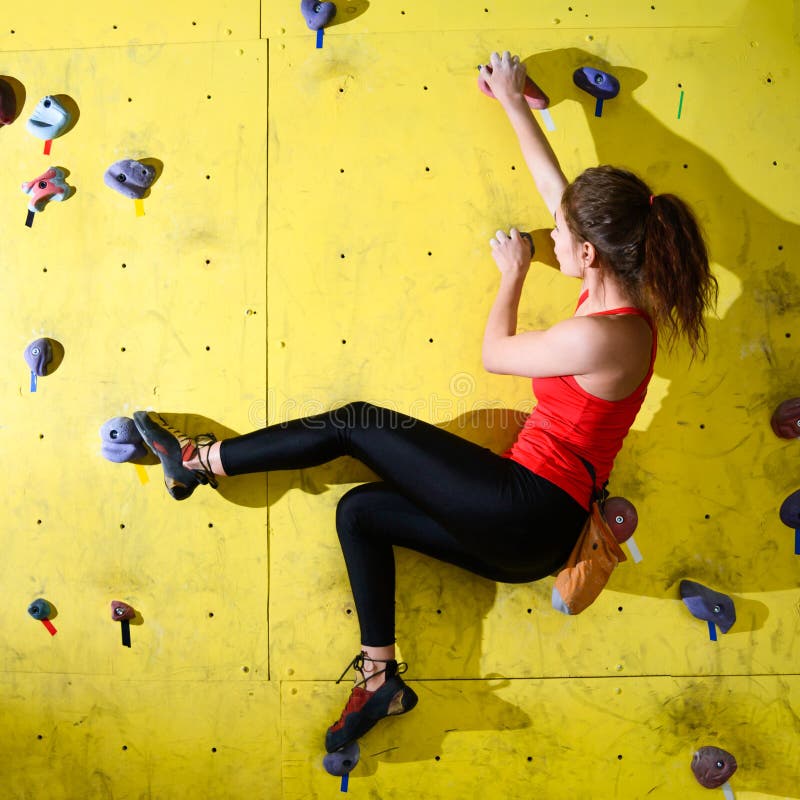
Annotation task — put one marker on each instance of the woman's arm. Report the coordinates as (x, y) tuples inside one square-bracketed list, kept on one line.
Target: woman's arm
[(507, 80), (576, 346)]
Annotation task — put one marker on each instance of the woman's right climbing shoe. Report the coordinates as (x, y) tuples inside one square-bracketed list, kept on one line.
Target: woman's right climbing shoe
[(365, 708), (172, 447)]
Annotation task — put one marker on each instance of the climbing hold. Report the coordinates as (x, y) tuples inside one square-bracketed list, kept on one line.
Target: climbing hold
[(130, 178), (51, 185), (317, 15), (790, 510), (621, 517), (122, 612), (38, 354), (342, 762), (121, 440), (712, 766), (49, 119), (786, 419), (598, 84), (534, 96), (708, 605), (8, 103), (529, 239), (40, 609)]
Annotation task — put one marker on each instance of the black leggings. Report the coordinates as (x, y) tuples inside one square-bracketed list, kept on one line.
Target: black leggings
[(440, 495)]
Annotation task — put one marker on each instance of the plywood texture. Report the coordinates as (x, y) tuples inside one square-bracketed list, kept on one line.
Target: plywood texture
[(319, 234)]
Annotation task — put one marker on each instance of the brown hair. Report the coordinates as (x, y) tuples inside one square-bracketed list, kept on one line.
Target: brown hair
[(652, 245)]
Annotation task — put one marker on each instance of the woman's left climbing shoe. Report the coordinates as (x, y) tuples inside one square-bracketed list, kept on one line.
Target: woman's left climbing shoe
[(173, 447), (364, 708)]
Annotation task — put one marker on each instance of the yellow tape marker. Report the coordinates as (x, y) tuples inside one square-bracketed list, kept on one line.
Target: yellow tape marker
[(142, 473), (139, 206)]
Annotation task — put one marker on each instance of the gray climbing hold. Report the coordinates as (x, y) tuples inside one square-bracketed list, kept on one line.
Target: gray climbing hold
[(121, 440), (130, 178)]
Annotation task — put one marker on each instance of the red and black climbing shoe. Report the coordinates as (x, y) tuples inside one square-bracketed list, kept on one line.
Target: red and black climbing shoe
[(173, 448), (365, 708)]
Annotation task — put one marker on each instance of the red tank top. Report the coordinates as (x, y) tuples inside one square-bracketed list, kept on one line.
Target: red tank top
[(568, 423)]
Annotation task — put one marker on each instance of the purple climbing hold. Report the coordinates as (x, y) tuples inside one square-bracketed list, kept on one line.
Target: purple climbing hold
[(130, 177), (786, 419), (342, 762), (317, 15), (597, 83), (713, 766), (121, 440), (8, 103), (708, 605), (790, 510), (38, 354)]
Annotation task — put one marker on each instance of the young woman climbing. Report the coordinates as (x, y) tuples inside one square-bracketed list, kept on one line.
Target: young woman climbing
[(513, 517)]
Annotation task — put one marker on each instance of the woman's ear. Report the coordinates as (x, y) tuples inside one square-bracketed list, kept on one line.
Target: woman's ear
[(588, 255)]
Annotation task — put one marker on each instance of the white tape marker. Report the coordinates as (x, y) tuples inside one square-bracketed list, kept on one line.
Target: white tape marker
[(634, 550), (547, 119), (727, 791)]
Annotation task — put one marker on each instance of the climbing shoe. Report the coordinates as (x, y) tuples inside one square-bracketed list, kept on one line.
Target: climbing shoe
[(365, 708), (173, 447)]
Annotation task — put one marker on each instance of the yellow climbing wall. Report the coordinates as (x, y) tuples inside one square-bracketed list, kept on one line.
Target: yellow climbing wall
[(319, 233)]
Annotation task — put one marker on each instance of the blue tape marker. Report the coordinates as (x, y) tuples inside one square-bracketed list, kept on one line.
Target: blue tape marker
[(320, 34), (598, 107), (346, 776), (33, 381), (797, 542), (29, 219), (712, 631)]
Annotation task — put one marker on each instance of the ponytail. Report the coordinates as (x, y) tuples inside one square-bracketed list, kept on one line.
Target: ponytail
[(651, 244), (677, 275)]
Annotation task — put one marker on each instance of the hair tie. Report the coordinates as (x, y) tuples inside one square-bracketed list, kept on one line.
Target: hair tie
[(651, 199)]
